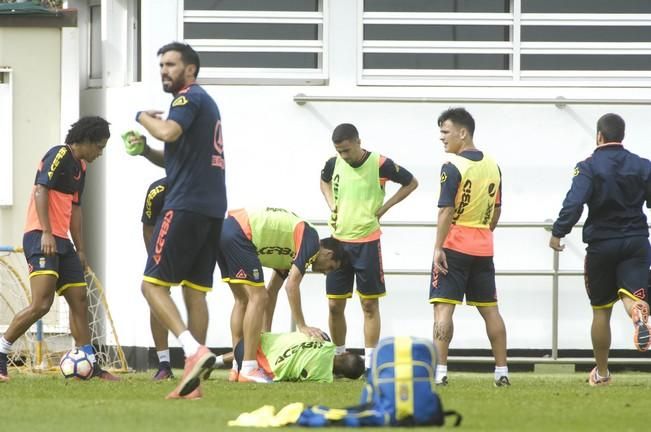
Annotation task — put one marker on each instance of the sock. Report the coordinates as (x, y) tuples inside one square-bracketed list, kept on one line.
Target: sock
[(248, 366), (235, 366), (441, 371), (189, 344), (5, 346), (501, 371), (219, 362), (368, 354), (163, 356), (602, 377), (340, 349), (90, 351)]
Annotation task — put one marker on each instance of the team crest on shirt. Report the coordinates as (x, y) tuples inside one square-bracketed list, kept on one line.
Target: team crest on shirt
[(444, 177), (256, 274), (576, 171), (180, 101)]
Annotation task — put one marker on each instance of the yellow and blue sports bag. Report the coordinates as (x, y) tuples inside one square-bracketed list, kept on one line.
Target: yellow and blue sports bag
[(400, 383)]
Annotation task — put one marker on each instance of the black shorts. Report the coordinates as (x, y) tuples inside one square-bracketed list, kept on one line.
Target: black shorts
[(617, 267), (238, 258), (64, 265), (472, 276), (183, 250), (364, 265)]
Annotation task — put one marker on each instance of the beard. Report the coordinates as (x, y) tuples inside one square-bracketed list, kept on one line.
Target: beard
[(172, 85)]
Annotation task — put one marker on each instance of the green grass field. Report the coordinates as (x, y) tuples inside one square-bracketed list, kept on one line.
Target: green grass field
[(562, 402)]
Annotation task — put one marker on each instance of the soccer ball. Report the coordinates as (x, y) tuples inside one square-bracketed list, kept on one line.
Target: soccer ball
[(76, 364)]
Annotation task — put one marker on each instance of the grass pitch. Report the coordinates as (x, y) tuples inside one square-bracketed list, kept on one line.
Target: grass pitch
[(535, 402)]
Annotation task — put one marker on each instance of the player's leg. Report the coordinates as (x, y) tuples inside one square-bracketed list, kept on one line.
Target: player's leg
[(339, 288), (481, 292), (237, 326), (159, 334), (370, 287), (601, 262), (197, 308), (633, 282), (445, 292), (273, 287), (250, 370)]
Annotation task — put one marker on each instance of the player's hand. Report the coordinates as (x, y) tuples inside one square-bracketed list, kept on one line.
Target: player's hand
[(134, 143), (555, 243), (440, 261), (48, 245), (312, 332)]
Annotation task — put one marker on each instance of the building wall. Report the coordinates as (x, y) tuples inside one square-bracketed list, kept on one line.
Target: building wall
[(275, 150), (34, 54)]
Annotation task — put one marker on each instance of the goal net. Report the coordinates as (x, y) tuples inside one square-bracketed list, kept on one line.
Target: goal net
[(41, 347)]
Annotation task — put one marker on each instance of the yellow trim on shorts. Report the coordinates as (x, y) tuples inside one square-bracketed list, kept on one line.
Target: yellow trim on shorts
[(371, 296), (444, 300), (196, 287), (243, 282), (481, 304), (339, 296), (70, 285), (606, 306), (44, 273), (629, 294), (158, 281)]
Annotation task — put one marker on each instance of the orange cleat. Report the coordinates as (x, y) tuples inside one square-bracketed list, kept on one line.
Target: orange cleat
[(255, 376), (596, 381), (196, 366), (233, 375), (195, 394), (641, 332)]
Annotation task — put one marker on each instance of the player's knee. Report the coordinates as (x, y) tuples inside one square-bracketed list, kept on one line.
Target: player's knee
[(336, 308), (258, 296), (370, 307), (40, 308)]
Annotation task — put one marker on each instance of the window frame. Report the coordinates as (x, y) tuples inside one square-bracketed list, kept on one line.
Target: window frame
[(269, 76), (6, 139), (94, 81), (515, 48)]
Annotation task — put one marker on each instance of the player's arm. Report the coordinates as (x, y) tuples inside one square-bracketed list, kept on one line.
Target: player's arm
[(573, 203), (497, 211), (450, 180), (275, 283), (326, 185), (294, 297), (42, 202), (165, 130), (147, 232), (393, 172), (76, 232)]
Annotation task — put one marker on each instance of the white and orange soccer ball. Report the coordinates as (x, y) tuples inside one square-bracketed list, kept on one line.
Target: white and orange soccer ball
[(76, 364)]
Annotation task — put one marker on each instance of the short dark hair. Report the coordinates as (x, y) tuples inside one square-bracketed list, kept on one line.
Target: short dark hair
[(91, 129), (343, 132), (188, 55), (612, 127), (460, 117), (338, 252), (349, 365)]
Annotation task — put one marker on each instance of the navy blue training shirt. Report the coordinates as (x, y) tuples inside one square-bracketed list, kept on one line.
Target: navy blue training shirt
[(194, 164), (614, 183)]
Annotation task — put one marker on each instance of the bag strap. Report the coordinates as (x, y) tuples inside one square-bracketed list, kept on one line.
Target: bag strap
[(458, 416)]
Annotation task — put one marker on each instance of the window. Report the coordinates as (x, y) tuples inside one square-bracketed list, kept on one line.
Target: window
[(6, 138), (95, 46), (259, 41), (501, 42), (134, 42)]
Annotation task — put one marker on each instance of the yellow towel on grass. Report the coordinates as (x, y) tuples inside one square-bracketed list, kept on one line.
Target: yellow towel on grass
[(266, 416)]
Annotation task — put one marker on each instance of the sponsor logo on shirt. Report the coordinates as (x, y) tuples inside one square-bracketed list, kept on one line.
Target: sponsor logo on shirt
[(295, 348), (55, 163)]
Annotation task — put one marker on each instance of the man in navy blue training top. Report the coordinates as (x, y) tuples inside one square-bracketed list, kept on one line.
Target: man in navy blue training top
[(614, 183)]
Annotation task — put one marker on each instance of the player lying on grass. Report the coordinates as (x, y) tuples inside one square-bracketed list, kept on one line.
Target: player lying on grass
[(299, 357)]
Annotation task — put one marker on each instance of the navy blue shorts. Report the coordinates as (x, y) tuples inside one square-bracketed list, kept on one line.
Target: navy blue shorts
[(64, 265), (364, 266), (184, 250), (617, 267), (472, 276), (238, 258)]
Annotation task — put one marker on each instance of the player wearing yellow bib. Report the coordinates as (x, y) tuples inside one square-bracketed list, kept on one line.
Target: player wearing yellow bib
[(353, 186), (298, 357), (469, 208), (277, 239)]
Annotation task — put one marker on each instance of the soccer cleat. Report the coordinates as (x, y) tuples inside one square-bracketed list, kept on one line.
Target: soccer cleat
[(257, 375), (233, 375), (595, 380), (4, 375), (164, 372), (195, 367), (641, 332), (100, 373), (193, 395), (443, 381), (502, 381)]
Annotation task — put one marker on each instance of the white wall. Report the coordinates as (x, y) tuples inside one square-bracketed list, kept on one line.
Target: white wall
[(275, 150)]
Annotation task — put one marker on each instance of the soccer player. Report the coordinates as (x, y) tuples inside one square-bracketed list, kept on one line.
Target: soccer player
[(469, 208), (56, 265), (186, 235), (277, 239), (353, 186), (299, 357), (614, 183)]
